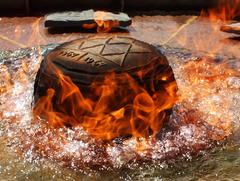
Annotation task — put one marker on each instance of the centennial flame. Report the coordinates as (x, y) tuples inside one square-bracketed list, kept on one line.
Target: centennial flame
[(117, 106), (103, 22), (115, 110), (226, 10), (120, 106)]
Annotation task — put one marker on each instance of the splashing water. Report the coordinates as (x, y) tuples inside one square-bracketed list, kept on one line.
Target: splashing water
[(208, 111)]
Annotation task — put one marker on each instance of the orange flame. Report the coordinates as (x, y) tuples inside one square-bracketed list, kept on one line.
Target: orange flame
[(103, 21), (206, 36), (206, 76), (226, 10), (118, 106)]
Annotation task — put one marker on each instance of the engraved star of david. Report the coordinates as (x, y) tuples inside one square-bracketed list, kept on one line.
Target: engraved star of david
[(122, 54)]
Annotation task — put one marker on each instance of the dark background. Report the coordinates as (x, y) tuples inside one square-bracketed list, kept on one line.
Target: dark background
[(35, 7)]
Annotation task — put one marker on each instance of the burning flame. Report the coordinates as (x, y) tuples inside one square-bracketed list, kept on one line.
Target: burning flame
[(226, 10), (118, 106), (205, 37), (103, 22), (206, 77)]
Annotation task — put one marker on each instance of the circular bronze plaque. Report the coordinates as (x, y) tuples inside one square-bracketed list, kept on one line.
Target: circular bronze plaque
[(84, 60), (118, 79)]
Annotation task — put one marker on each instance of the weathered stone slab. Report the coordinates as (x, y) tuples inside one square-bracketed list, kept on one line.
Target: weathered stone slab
[(81, 18)]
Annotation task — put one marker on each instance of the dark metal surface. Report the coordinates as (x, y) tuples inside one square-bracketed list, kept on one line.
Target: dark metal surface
[(87, 60)]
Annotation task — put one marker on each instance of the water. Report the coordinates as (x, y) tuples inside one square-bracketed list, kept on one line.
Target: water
[(201, 141)]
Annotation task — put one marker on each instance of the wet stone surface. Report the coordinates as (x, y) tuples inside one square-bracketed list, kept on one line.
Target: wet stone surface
[(208, 110)]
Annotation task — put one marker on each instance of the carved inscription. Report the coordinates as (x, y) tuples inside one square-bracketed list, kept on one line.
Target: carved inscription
[(78, 57), (96, 63), (69, 54)]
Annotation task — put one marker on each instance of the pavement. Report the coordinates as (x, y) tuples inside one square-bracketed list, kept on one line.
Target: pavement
[(180, 31)]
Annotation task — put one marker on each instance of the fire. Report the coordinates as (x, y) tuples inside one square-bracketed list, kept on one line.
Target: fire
[(117, 106), (226, 10), (103, 21), (206, 38), (206, 76)]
